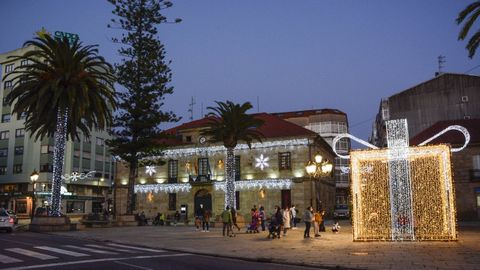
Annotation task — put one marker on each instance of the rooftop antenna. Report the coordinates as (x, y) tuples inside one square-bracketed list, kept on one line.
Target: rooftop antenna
[(441, 61), (190, 108)]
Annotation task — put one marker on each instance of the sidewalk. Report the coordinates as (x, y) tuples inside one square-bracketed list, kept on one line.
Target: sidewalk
[(328, 251)]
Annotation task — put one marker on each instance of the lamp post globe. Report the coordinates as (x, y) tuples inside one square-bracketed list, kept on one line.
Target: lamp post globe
[(33, 178)]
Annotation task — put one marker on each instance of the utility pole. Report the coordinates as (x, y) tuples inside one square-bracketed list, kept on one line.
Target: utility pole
[(190, 108)]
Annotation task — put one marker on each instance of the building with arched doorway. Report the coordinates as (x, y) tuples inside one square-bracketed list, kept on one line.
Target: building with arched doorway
[(270, 173)]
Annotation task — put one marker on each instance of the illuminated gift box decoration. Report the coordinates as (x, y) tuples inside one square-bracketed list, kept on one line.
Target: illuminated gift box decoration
[(402, 192)]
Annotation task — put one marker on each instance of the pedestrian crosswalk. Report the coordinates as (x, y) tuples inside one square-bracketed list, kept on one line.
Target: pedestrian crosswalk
[(43, 253)]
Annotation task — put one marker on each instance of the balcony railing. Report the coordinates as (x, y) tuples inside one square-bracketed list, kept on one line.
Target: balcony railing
[(199, 178)]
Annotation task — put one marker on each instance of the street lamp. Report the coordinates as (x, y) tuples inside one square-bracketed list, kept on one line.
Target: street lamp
[(320, 167), (33, 178)]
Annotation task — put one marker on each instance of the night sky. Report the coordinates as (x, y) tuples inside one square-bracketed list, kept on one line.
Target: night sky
[(293, 55)]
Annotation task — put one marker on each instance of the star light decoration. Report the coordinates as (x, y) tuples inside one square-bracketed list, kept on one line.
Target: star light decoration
[(401, 192), (261, 162), (150, 170)]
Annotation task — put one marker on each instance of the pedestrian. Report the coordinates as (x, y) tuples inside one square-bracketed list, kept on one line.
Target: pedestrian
[(263, 218), (293, 210), (322, 223), (176, 218), (206, 220), (199, 216), (279, 219), (307, 218), (227, 220), (234, 218), (162, 219), (317, 220), (287, 217)]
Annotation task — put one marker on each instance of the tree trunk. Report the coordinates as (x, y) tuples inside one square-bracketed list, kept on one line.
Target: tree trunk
[(131, 187), (60, 138), (230, 199)]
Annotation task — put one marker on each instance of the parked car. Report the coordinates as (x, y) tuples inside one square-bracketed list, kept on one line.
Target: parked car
[(341, 211), (6, 221), (13, 215)]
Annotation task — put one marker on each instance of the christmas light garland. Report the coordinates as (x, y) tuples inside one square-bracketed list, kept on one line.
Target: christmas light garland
[(168, 188), (257, 184)]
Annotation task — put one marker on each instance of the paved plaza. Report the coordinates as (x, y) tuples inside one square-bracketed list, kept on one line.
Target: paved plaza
[(335, 251)]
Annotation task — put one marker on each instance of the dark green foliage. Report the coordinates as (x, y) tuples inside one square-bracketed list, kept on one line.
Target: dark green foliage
[(472, 11), (229, 123), (66, 77), (144, 74)]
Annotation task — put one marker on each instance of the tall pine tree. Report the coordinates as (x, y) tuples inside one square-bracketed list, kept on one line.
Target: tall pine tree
[(144, 76)]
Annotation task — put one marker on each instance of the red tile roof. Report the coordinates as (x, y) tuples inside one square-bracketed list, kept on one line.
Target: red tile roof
[(273, 127), (451, 137)]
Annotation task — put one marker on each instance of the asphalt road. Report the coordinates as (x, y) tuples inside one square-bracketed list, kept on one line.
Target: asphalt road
[(24, 250)]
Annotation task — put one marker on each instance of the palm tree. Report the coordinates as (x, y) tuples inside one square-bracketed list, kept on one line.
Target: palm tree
[(64, 89), (229, 123), (473, 11)]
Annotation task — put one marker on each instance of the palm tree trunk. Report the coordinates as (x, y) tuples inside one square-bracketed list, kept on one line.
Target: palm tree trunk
[(60, 138), (230, 179)]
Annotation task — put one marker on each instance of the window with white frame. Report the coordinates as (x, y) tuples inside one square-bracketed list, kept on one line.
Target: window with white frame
[(4, 135), (24, 63), (172, 171), (17, 168), (284, 161), (20, 132), (100, 142), (9, 68), (18, 150), (8, 85), (6, 118), (46, 149)]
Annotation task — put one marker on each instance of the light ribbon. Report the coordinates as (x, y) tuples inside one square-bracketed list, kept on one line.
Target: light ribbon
[(461, 129)]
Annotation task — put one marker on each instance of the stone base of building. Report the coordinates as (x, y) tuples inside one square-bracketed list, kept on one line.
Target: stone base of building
[(52, 224), (125, 220)]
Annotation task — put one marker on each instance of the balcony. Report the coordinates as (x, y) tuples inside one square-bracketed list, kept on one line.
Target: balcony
[(199, 178)]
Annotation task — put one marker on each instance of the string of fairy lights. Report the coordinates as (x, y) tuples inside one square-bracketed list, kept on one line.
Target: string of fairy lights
[(58, 160), (254, 184)]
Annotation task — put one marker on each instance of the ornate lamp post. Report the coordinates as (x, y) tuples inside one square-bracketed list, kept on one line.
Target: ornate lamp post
[(317, 168), (34, 178)]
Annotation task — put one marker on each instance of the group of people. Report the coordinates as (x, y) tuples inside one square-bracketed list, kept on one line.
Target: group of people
[(317, 218), (202, 218)]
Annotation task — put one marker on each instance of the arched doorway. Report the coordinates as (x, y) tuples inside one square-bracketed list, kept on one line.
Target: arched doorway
[(203, 197)]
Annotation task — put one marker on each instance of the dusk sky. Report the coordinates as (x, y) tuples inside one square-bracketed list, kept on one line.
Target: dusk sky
[(293, 55)]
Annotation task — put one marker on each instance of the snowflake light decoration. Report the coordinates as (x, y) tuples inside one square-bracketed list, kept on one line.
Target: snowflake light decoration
[(261, 162), (150, 170)]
